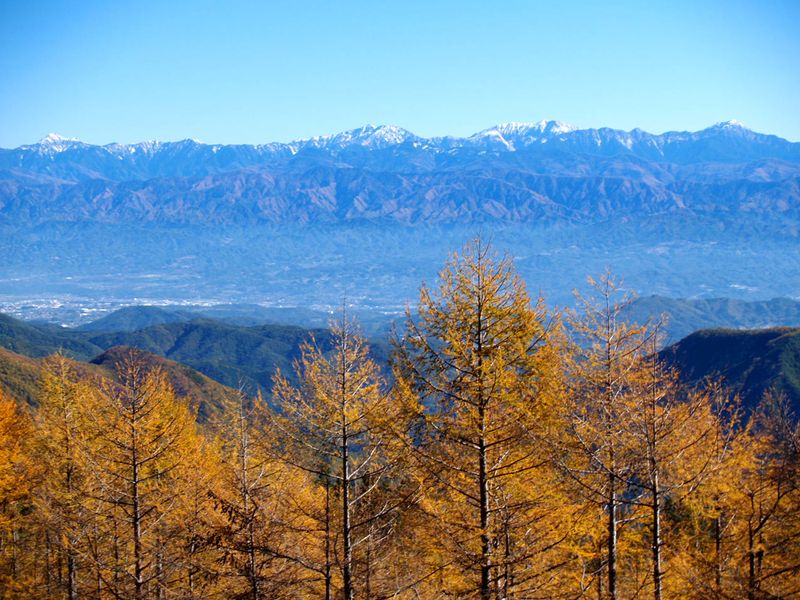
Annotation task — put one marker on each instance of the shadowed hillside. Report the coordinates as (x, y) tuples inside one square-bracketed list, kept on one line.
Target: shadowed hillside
[(750, 362)]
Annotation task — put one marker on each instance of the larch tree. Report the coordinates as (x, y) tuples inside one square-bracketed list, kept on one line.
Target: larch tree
[(16, 472), (260, 538), (474, 369), (767, 502), (595, 446), (334, 425), (675, 444), (63, 436), (140, 441), (198, 480)]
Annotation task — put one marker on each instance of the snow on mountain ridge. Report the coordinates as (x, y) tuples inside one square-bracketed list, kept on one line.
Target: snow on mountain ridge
[(53, 143), (505, 137), (369, 136), (54, 138), (520, 133)]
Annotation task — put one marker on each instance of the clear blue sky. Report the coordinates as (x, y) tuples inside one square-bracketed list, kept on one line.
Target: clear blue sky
[(253, 72)]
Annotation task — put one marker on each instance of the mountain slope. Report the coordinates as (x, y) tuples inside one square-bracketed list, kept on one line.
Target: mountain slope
[(369, 213), (42, 340), (207, 396), (20, 378), (751, 362), (131, 318), (230, 354), (227, 353), (683, 316), (514, 172)]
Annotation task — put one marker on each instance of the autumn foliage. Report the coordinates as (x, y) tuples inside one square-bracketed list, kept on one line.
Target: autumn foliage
[(506, 451)]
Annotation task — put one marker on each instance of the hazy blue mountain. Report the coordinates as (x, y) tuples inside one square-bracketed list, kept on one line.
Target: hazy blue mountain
[(395, 149), (366, 215), (131, 318), (683, 316), (512, 172)]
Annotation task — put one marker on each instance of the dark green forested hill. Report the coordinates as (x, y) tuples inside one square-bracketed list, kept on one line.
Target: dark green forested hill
[(41, 340), (209, 397), (228, 353), (19, 376), (131, 318), (750, 362), (231, 354)]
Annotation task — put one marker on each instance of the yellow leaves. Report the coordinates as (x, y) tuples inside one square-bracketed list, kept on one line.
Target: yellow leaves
[(491, 460), (16, 472), (15, 465), (482, 363)]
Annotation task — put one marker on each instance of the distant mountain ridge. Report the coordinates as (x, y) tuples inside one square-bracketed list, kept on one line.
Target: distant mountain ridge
[(751, 361), (512, 172), (676, 146), (685, 316), (370, 212)]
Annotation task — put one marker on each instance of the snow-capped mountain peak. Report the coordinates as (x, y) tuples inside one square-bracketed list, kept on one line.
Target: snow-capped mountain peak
[(370, 136), (54, 138), (53, 142), (731, 125), (516, 134)]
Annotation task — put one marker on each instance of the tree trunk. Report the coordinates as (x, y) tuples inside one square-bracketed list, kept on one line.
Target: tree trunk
[(327, 539), (72, 578), (751, 560), (136, 523), (347, 567), (507, 578), (612, 537), (368, 558), (656, 538), (483, 476), (348, 552), (486, 546), (718, 555)]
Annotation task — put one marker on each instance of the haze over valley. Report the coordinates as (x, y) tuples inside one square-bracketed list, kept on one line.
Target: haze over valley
[(367, 214)]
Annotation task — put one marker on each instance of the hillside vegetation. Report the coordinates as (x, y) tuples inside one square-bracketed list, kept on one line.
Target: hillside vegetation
[(500, 457), (750, 362)]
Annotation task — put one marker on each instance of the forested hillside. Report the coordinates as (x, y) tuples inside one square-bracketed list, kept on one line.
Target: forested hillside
[(750, 362), (506, 451)]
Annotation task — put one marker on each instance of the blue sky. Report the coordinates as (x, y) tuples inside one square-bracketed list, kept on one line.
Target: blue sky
[(252, 72)]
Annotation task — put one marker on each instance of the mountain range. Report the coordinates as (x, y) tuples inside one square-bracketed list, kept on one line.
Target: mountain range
[(513, 172), (366, 215), (749, 362)]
